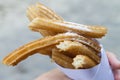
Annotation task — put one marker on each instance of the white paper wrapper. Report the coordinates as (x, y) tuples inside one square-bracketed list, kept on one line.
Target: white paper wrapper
[(100, 72)]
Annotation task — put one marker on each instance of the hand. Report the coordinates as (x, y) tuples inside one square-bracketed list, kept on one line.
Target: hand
[(56, 74), (115, 65)]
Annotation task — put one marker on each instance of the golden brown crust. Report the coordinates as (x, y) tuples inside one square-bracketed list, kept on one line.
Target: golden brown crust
[(34, 47), (61, 59), (61, 27), (49, 12), (75, 48), (41, 11), (80, 37)]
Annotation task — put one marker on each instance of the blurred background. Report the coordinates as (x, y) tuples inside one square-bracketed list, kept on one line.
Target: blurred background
[(14, 30)]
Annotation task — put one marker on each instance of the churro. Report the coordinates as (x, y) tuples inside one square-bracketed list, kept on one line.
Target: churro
[(76, 48), (82, 61), (61, 27), (61, 59), (41, 11), (36, 46), (70, 45)]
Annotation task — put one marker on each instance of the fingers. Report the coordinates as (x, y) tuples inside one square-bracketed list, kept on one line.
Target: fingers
[(116, 74), (114, 62), (55, 74)]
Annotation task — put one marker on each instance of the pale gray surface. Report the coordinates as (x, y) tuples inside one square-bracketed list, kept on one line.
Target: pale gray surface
[(14, 31)]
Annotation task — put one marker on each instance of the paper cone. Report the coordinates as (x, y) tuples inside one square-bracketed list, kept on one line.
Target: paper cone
[(101, 71)]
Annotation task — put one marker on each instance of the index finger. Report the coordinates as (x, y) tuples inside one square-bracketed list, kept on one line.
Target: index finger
[(114, 62)]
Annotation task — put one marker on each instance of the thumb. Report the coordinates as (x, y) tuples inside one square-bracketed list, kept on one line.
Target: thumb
[(114, 62)]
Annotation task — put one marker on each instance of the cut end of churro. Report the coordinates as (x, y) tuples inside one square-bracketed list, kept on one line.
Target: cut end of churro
[(76, 48), (66, 45), (78, 61), (61, 59), (83, 57), (82, 61)]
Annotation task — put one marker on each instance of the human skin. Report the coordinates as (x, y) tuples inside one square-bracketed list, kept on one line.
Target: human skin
[(56, 74)]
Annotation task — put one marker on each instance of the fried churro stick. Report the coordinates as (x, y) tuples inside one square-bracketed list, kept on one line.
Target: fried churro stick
[(86, 41), (41, 11), (54, 16), (34, 12), (76, 48), (36, 46), (82, 61), (94, 46), (62, 59), (61, 27)]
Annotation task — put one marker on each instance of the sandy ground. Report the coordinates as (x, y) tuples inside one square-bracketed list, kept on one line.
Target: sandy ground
[(14, 30)]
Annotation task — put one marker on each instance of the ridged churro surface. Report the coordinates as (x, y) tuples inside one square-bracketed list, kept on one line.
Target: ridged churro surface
[(69, 44), (61, 27)]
